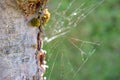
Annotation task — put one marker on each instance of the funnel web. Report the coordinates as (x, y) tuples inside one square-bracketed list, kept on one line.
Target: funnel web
[(68, 53)]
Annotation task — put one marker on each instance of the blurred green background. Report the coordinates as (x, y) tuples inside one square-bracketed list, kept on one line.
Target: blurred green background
[(102, 25)]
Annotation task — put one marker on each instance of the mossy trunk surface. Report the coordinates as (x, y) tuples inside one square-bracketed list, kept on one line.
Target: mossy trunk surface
[(17, 56)]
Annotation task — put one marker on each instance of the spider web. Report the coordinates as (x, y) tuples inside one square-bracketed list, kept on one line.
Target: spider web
[(67, 54)]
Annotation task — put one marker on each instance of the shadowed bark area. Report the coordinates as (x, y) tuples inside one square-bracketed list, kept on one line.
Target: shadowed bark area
[(17, 56)]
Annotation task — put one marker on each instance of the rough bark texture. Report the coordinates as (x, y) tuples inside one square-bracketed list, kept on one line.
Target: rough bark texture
[(17, 56)]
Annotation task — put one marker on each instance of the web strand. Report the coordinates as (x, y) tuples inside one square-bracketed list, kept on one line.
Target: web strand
[(61, 24)]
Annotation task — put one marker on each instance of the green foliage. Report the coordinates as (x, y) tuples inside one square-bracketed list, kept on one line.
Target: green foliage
[(103, 26)]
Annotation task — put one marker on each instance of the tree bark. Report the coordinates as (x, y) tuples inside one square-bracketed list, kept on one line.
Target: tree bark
[(17, 56)]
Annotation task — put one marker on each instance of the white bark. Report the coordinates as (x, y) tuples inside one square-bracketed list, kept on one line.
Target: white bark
[(17, 56)]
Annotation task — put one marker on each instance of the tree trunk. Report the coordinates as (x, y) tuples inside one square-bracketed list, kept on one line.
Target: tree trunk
[(17, 56)]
